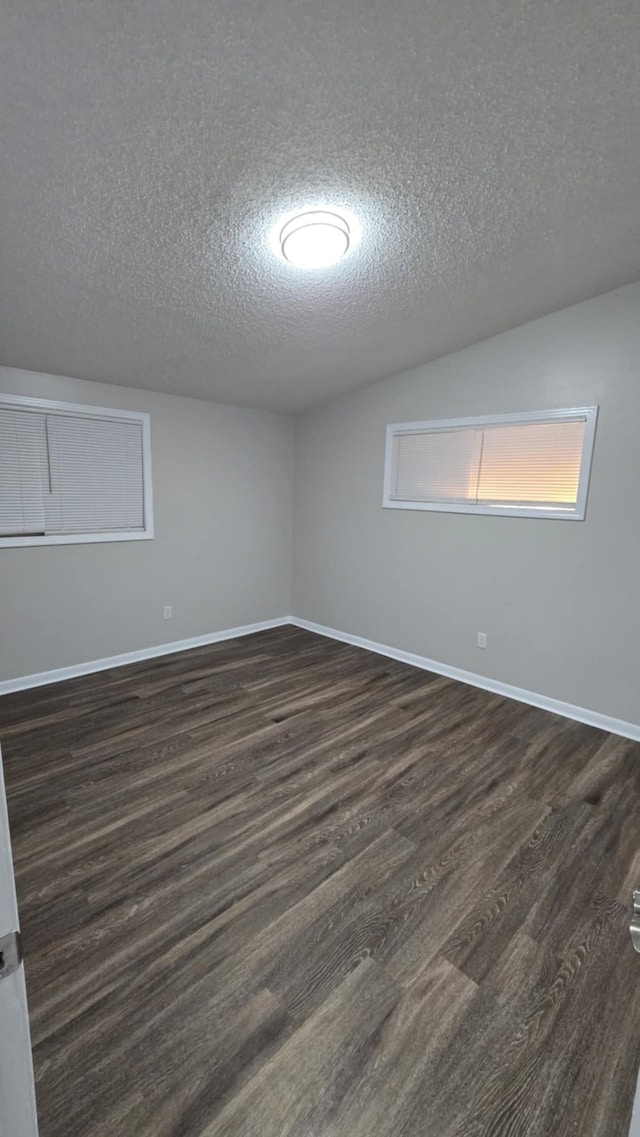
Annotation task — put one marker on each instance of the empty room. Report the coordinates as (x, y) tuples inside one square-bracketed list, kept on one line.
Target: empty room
[(319, 561)]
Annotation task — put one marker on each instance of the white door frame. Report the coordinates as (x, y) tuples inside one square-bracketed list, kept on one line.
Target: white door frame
[(17, 1089), (635, 1117)]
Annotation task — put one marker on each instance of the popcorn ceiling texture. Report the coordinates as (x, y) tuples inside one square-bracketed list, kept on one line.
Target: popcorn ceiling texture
[(490, 149)]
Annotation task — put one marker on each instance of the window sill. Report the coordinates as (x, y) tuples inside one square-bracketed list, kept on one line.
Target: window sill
[(488, 510), (72, 539)]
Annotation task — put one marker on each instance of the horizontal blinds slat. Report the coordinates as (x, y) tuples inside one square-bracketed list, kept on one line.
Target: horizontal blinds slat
[(96, 475), (22, 470)]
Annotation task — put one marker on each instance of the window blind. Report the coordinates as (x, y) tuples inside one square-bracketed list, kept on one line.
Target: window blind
[(22, 461), (96, 475), (538, 463), (436, 466), (491, 465), (70, 474)]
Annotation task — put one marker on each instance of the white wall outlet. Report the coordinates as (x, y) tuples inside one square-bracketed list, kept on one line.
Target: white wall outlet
[(167, 612), (481, 639)]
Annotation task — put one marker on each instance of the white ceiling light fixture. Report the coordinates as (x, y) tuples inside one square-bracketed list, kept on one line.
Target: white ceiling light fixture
[(315, 239)]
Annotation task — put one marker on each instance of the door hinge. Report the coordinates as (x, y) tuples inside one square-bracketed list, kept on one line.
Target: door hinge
[(10, 954), (634, 927)]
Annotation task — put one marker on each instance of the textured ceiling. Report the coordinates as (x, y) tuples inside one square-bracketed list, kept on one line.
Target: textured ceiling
[(490, 149)]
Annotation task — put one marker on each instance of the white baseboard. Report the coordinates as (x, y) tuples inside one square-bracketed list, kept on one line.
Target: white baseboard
[(580, 714), (60, 673)]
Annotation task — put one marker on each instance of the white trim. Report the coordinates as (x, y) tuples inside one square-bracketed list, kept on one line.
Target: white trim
[(564, 414), (635, 1117), (75, 538), (82, 410), (41, 678), (17, 1087), (567, 710), (85, 410)]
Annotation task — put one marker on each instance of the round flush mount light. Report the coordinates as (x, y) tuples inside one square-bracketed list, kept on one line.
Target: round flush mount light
[(315, 239)]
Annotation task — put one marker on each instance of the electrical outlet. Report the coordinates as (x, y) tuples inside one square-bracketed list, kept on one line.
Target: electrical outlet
[(167, 612), (481, 640)]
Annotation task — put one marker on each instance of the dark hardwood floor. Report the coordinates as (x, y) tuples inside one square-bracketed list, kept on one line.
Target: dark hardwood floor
[(282, 887)]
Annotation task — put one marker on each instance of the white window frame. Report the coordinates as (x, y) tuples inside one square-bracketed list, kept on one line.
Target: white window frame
[(79, 410), (565, 414)]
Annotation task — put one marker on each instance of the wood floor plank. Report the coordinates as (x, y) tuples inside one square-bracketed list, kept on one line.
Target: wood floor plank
[(281, 885)]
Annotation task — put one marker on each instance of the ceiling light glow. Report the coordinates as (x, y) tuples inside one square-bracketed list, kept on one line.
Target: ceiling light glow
[(315, 239)]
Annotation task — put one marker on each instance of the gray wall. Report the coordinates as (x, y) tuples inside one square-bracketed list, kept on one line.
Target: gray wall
[(221, 554), (559, 600)]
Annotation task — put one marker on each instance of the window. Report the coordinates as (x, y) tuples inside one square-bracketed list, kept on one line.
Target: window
[(530, 465), (72, 474)]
